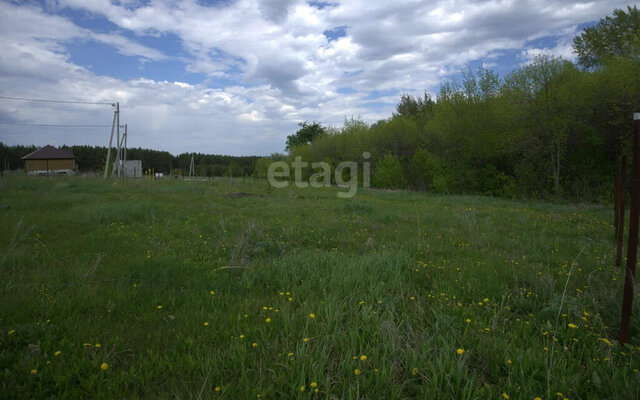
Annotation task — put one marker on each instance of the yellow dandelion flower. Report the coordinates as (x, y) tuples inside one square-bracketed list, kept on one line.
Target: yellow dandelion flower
[(217, 389), (509, 362), (460, 351), (312, 316), (211, 292), (241, 336), (305, 339), (159, 307), (505, 396), (363, 357), (11, 332), (290, 299), (572, 326), (206, 324), (57, 353), (357, 371), (467, 320), (302, 388), (314, 384), (254, 344), (412, 298), (34, 371), (104, 366), (315, 390), (98, 345), (537, 398), (361, 302), (414, 371)]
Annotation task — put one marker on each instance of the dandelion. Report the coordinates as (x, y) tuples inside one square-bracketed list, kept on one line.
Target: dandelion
[(572, 326), (11, 332), (505, 396), (305, 339), (98, 345), (267, 320), (242, 336), (460, 351), (605, 340), (363, 357), (412, 298), (57, 353), (414, 371), (159, 307), (290, 299), (211, 292), (206, 324), (468, 321), (537, 398), (312, 316), (34, 371), (509, 362), (217, 389), (357, 371), (302, 388), (314, 384), (254, 344), (104, 366)]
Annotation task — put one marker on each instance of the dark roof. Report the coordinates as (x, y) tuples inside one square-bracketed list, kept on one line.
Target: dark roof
[(48, 153)]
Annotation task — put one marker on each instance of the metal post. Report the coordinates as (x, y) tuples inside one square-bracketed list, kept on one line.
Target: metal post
[(632, 245), (621, 196), (125, 143), (113, 126)]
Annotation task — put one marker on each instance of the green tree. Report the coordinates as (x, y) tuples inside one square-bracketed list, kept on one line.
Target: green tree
[(613, 37), (307, 133)]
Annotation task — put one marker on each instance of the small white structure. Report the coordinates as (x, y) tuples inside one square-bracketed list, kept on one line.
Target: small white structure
[(132, 169)]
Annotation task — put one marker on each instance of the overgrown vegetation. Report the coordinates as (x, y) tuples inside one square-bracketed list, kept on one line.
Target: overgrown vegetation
[(171, 288), (546, 129)]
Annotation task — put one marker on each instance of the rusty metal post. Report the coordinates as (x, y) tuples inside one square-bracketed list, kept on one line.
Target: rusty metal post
[(632, 245), (621, 195)]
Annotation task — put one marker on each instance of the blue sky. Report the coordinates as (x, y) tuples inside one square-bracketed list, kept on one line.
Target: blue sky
[(235, 77)]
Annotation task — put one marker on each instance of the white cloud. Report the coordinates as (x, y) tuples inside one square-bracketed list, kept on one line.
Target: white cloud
[(278, 65)]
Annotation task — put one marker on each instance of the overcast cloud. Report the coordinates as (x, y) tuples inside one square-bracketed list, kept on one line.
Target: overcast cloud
[(235, 77)]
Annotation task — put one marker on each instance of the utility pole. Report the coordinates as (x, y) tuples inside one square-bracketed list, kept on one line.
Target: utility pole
[(113, 126), (192, 168), (118, 130), (632, 245)]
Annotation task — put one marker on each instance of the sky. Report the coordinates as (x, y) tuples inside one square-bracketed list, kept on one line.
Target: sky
[(237, 76)]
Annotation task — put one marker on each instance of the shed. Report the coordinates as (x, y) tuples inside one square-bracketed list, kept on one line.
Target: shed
[(49, 159)]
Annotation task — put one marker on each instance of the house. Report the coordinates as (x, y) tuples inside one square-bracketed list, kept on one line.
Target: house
[(50, 160)]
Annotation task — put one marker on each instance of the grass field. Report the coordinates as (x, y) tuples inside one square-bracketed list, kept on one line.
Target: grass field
[(175, 289)]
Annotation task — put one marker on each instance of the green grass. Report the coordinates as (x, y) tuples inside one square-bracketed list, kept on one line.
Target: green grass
[(405, 279)]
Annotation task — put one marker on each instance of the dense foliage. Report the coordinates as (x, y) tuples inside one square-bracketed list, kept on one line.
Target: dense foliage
[(548, 128), (92, 159)]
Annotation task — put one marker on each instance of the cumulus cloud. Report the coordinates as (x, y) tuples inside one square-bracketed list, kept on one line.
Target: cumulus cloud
[(266, 65)]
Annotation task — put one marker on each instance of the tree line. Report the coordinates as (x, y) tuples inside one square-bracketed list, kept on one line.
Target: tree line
[(548, 128), (93, 158)]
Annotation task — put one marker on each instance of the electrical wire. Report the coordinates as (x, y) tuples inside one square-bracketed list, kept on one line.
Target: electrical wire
[(59, 125), (56, 101)]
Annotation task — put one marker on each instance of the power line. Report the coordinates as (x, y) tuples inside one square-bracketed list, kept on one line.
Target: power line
[(55, 101), (60, 125)]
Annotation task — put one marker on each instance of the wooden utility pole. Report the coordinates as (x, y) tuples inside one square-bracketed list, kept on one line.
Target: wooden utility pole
[(113, 126), (632, 245), (621, 195)]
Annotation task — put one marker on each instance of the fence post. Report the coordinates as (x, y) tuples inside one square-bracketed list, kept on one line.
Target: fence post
[(621, 195), (632, 245)]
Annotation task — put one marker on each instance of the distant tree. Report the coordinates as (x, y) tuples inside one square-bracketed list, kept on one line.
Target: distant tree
[(613, 37), (306, 134)]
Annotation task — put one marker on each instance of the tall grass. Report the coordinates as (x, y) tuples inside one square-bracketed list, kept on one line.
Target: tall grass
[(178, 290)]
